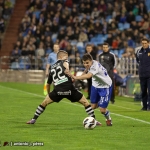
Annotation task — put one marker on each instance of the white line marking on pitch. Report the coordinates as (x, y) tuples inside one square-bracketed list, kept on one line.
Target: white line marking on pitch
[(127, 117), (114, 105)]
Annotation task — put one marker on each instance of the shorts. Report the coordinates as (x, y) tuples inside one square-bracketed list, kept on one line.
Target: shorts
[(73, 95), (100, 96)]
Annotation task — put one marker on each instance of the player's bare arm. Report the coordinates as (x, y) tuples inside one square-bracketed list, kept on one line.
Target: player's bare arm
[(82, 77), (48, 87), (47, 69), (67, 71), (85, 71)]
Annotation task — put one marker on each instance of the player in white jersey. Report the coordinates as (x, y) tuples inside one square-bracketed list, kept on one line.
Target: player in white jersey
[(101, 85)]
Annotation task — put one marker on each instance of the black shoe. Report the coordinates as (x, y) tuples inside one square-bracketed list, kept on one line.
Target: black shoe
[(112, 102), (148, 109), (88, 97), (144, 109)]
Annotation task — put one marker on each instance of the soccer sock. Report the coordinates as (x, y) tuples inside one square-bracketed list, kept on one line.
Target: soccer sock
[(89, 111), (40, 109), (107, 115)]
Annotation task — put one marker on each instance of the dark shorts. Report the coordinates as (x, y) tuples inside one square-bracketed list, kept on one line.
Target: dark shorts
[(73, 95)]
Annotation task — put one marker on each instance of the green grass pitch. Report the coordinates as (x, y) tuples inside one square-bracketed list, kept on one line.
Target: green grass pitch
[(60, 126)]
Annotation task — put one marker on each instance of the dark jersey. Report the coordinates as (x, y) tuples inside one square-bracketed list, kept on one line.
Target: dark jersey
[(143, 58), (62, 82), (108, 60)]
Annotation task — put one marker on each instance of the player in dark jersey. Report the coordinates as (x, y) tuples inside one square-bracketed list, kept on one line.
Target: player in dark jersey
[(63, 88)]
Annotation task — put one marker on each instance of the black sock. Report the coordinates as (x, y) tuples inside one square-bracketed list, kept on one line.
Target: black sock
[(40, 109), (89, 111)]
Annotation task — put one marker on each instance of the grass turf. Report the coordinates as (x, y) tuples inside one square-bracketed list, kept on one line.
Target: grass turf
[(60, 126)]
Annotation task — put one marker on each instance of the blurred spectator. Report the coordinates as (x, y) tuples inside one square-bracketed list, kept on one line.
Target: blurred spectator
[(102, 6), (130, 17), (95, 13), (2, 25), (63, 43), (142, 9), (83, 37), (1, 11), (6, 12), (40, 52), (129, 52), (123, 18), (76, 23)]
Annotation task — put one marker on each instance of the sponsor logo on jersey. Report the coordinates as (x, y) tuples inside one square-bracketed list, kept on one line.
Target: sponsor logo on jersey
[(64, 93)]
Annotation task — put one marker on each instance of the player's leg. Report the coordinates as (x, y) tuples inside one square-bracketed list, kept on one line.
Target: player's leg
[(89, 110), (94, 100), (77, 96), (105, 94), (148, 100), (87, 106), (40, 109), (144, 85)]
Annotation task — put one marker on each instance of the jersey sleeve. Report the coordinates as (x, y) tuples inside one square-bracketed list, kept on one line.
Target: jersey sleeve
[(49, 59), (137, 56), (50, 79), (94, 69)]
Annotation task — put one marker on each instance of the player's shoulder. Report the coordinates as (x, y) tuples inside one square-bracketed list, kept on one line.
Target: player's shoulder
[(112, 54), (137, 49), (52, 53), (95, 64), (100, 54)]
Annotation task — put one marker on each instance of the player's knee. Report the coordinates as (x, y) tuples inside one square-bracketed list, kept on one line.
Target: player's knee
[(46, 101), (94, 106), (102, 110), (84, 102)]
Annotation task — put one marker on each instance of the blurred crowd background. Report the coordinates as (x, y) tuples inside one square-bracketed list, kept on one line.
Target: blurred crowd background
[(75, 23)]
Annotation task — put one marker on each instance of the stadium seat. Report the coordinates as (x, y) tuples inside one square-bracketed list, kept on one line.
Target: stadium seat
[(96, 43), (120, 25), (108, 18), (54, 37), (105, 37), (73, 42), (115, 52), (120, 52), (80, 44), (126, 25), (93, 39), (81, 49), (138, 18), (100, 40)]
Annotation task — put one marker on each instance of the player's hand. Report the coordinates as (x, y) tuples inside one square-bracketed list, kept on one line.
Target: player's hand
[(67, 72), (86, 70)]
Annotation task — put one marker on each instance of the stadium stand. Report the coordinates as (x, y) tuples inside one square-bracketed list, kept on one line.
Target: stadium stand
[(77, 23), (6, 9)]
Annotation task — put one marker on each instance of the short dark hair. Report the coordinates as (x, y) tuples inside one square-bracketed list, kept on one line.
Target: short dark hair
[(145, 39), (106, 44), (88, 45), (86, 57)]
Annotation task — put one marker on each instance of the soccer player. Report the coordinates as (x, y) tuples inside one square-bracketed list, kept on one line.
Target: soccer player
[(101, 85), (63, 88), (143, 59), (108, 60), (52, 58)]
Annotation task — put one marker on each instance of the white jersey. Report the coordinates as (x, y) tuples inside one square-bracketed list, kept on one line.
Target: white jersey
[(100, 77)]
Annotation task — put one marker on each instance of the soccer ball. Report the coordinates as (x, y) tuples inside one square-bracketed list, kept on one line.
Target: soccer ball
[(89, 123)]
